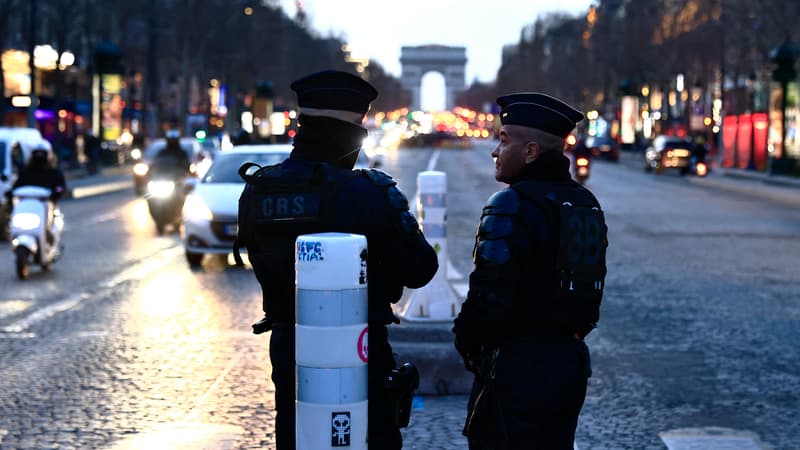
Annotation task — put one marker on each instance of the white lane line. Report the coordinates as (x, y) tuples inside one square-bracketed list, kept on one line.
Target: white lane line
[(9, 307), (452, 272), (86, 191), (138, 271), (107, 217), (710, 438), (45, 313), (434, 159), (461, 289)]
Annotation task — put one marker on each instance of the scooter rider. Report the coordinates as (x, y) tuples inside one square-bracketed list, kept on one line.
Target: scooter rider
[(40, 172), (172, 160)]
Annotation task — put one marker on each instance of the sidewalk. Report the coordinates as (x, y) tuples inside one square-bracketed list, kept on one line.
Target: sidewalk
[(778, 188), (81, 184)]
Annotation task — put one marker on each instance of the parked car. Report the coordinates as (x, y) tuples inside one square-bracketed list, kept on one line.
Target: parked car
[(669, 152), (16, 145), (603, 147), (210, 212), (198, 155)]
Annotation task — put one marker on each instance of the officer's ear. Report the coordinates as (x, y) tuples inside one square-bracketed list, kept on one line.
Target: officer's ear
[(532, 151)]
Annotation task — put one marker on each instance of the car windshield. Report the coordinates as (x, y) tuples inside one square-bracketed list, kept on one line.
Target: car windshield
[(225, 168)]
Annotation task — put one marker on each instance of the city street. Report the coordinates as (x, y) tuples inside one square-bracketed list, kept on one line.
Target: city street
[(123, 346)]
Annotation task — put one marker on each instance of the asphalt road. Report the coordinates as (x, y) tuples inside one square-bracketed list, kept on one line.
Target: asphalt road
[(121, 345)]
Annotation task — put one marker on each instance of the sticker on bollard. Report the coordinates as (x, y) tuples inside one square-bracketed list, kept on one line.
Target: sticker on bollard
[(331, 341), (363, 346), (340, 429)]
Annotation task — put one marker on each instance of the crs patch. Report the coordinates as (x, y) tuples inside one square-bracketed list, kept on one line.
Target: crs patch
[(296, 207)]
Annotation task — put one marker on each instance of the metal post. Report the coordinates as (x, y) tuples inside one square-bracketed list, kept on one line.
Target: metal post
[(31, 47), (436, 301), (331, 341)]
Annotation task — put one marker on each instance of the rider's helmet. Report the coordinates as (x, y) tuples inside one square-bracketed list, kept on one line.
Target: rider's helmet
[(40, 157)]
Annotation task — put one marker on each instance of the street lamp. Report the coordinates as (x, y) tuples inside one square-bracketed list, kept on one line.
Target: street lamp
[(783, 57)]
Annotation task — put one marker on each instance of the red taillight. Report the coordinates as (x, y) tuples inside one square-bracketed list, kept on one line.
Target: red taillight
[(582, 162), (701, 169)]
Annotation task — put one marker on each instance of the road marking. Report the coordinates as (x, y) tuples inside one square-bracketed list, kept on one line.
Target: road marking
[(14, 306), (185, 437), (710, 438), (107, 217), (87, 191), (45, 313), (140, 270), (461, 289), (452, 272), (434, 159)]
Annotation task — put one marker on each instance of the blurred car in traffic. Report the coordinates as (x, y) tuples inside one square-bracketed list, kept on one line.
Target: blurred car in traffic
[(199, 156), (16, 145), (669, 152), (210, 213), (211, 210), (603, 147)]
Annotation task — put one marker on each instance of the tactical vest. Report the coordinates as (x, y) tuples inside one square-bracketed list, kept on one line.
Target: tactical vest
[(578, 239), (275, 207)]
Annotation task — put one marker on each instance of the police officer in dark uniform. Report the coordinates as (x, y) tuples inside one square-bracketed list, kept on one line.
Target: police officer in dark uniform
[(536, 287), (335, 198)]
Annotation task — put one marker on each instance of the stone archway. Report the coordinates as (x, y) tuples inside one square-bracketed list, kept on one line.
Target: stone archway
[(449, 61)]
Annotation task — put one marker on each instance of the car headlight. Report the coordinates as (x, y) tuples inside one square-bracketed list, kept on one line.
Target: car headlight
[(160, 189), (195, 210), (141, 169), (136, 154), (26, 221)]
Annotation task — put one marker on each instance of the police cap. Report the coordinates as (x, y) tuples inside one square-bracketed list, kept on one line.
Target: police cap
[(540, 111), (324, 93)]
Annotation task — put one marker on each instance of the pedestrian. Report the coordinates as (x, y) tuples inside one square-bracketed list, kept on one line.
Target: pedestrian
[(536, 287), (332, 106), (91, 146)]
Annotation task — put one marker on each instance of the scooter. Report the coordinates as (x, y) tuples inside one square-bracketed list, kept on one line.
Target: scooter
[(582, 169), (165, 198), (36, 228)]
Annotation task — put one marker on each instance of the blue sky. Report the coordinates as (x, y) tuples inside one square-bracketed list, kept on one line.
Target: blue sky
[(377, 29)]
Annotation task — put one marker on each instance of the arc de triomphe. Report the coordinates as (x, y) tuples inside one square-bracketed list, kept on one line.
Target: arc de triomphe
[(448, 61)]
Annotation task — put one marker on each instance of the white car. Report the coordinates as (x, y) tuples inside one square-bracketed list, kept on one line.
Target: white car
[(210, 213)]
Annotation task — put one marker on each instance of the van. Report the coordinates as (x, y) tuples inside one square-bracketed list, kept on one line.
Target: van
[(16, 144)]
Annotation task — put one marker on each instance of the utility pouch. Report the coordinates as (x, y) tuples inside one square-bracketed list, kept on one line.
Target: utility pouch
[(400, 385), (262, 326)]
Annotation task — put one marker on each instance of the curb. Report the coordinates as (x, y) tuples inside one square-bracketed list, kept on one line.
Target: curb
[(430, 347), (775, 190), (98, 189)]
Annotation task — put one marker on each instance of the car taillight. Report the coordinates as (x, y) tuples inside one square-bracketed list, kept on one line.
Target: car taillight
[(701, 169), (582, 162)]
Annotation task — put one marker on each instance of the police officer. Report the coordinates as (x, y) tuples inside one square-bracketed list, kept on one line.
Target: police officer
[(335, 198), (536, 287)]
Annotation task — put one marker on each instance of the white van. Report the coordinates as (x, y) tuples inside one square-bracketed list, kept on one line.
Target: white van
[(16, 145)]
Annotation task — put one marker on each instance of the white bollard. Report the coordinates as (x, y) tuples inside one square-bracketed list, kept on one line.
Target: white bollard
[(331, 341), (436, 301)]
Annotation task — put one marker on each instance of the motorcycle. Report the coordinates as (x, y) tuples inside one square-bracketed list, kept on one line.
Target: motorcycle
[(165, 198), (582, 169), (36, 227)]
